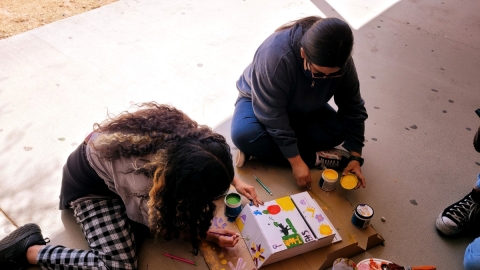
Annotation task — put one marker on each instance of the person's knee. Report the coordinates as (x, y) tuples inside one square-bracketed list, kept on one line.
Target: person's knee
[(121, 261), (471, 260), (242, 137), (239, 137), (255, 143)]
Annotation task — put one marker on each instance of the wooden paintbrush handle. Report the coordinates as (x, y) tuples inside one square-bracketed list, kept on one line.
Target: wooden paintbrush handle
[(393, 266)]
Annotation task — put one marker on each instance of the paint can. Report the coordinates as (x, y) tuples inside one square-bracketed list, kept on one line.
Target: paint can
[(362, 216), (328, 180), (233, 205), (349, 181)]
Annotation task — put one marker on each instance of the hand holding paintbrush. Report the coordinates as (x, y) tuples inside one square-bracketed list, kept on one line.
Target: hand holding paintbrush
[(227, 234), (223, 237)]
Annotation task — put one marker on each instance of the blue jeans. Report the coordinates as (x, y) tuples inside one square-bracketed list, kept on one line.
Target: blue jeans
[(471, 261), (315, 131)]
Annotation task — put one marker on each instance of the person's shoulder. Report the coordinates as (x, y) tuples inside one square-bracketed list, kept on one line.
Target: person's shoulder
[(275, 47)]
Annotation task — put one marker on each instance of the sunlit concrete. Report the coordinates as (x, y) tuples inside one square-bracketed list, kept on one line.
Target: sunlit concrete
[(359, 12), (418, 67)]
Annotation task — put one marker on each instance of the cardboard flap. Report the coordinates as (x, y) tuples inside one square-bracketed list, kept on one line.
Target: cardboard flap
[(336, 207), (374, 240)]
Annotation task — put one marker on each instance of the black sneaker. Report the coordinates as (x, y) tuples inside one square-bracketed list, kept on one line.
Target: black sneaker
[(333, 159), (458, 216), (476, 140), (13, 248)]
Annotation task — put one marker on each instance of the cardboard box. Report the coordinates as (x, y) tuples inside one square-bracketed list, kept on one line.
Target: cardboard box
[(338, 210)]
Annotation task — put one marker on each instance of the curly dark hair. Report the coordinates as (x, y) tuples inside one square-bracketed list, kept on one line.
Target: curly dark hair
[(190, 166)]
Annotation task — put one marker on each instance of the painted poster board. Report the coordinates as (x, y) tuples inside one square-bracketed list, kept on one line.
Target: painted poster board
[(284, 227)]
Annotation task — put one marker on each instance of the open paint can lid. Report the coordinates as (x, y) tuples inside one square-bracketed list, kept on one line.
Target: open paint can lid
[(329, 175), (349, 181), (364, 211), (233, 199)]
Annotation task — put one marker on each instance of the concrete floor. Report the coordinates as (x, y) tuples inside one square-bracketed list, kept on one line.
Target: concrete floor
[(418, 66)]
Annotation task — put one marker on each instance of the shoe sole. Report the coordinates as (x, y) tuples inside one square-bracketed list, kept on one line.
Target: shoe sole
[(332, 157), (239, 159), (17, 235)]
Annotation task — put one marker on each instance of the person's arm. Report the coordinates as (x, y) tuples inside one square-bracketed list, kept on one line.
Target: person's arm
[(269, 101), (301, 172), (222, 237), (354, 167), (246, 190), (351, 108)]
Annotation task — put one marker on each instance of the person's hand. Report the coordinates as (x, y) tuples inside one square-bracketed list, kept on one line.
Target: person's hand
[(228, 239), (301, 172), (354, 167), (246, 190)]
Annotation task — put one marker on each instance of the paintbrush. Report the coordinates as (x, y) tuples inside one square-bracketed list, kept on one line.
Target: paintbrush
[(393, 266), (227, 234)]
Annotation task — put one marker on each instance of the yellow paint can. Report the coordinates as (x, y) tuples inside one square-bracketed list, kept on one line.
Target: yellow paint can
[(349, 181)]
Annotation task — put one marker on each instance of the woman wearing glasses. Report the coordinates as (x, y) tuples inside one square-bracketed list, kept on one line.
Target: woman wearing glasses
[(282, 113)]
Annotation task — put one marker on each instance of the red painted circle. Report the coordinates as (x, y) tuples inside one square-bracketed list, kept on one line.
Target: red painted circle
[(274, 209)]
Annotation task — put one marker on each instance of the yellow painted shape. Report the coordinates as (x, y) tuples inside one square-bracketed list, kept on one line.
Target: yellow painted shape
[(239, 223), (286, 203), (224, 261), (310, 209), (325, 229), (292, 241), (349, 181), (259, 252)]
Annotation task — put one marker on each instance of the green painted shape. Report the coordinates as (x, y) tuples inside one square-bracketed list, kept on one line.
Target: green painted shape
[(233, 199), (265, 212), (291, 225)]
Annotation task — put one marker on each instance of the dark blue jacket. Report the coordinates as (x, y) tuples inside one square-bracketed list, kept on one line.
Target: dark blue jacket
[(278, 87)]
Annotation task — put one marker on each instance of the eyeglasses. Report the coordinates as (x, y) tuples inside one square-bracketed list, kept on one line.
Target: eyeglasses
[(321, 75)]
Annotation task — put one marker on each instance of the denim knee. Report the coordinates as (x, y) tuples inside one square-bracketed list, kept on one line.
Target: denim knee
[(471, 260)]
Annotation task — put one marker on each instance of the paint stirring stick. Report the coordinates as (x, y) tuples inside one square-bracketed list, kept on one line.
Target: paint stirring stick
[(227, 234), (260, 182), (179, 259), (393, 266)]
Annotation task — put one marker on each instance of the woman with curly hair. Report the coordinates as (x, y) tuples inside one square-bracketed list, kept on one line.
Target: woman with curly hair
[(154, 167)]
